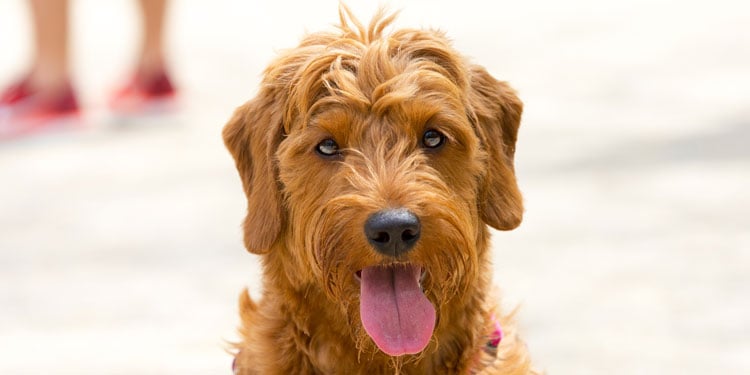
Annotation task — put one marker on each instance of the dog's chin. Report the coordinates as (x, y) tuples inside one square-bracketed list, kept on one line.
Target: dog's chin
[(394, 310)]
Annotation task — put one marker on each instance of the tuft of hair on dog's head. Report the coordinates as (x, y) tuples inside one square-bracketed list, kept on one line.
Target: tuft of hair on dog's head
[(368, 69), (351, 27)]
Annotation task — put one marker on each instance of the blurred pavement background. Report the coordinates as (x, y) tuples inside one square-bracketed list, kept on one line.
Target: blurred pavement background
[(120, 245)]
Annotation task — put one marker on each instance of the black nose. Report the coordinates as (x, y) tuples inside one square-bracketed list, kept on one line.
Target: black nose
[(392, 232)]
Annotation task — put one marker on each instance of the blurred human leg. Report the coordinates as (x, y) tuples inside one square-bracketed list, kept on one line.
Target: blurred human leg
[(150, 87), (49, 71), (152, 43), (44, 94)]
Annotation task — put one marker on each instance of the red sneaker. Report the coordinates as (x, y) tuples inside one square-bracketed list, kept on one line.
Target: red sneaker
[(15, 93), (145, 95), (23, 111)]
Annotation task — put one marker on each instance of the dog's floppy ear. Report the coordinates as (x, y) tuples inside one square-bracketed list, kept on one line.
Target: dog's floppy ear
[(253, 135), (497, 115)]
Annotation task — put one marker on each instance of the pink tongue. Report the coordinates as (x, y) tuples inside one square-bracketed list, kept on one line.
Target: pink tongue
[(394, 311)]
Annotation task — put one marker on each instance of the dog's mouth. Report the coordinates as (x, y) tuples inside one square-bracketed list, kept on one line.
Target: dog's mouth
[(422, 274), (394, 310)]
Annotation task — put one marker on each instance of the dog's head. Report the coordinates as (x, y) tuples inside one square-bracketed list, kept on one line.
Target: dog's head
[(373, 161)]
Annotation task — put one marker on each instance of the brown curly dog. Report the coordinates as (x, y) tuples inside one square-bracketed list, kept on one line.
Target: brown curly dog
[(373, 163)]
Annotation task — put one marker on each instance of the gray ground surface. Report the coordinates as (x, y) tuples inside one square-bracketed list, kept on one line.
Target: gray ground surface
[(120, 246)]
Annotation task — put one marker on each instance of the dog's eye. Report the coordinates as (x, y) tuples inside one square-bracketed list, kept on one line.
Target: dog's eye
[(328, 147), (433, 139)]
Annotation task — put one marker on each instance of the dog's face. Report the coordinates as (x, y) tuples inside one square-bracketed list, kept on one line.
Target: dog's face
[(371, 164)]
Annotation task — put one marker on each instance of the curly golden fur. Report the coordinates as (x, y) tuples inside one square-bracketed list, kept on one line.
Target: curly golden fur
[(375, 93)]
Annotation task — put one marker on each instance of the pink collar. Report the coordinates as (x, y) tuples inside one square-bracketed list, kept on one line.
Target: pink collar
[(497, 333), (487, 356)]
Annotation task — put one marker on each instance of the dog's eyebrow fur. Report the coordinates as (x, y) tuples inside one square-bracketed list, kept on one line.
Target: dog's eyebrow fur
[(367, 69)]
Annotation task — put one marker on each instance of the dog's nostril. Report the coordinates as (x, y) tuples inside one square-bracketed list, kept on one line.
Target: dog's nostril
[(392, 231), (382, 237), (408, 235)]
